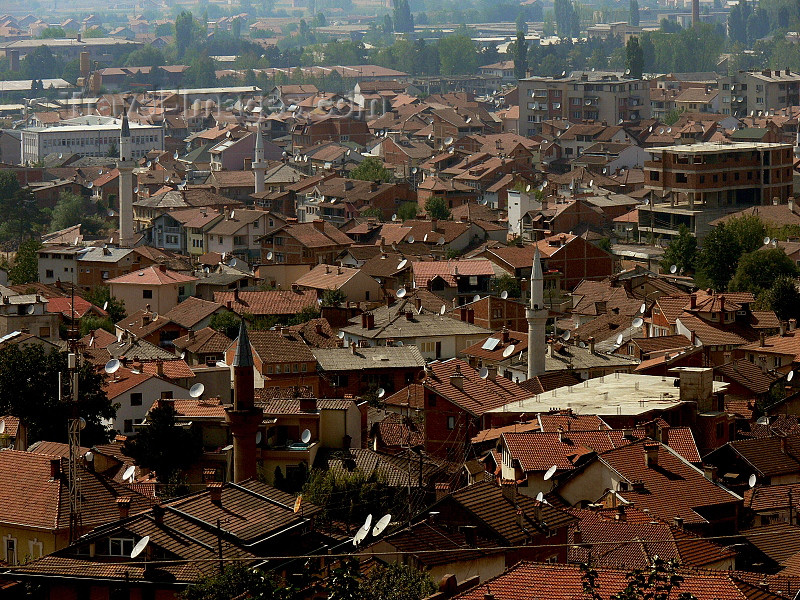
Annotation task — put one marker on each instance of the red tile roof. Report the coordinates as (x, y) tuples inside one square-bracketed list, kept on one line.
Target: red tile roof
[(449, 271), (153, 275), (191, 311), (172, 369), (205, 341), (124, 380), (81, 307), (273, 302)]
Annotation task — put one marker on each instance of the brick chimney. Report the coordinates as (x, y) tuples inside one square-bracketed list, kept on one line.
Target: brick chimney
[(319, 225), (677, 522), (693, 301), (762, 339), (55, 468), (591, 345), (457, 378), (158, 512), (505, 334), (215, 492), (124, 506), (308, 405), (710, 472), (191, 334), (651, 454), (509, 491), (492, 372), (470, 535)]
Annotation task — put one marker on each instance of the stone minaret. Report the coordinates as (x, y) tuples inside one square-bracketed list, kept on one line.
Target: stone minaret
[(259, 165), (125, 164), (243, 418), (537, 319), (695, 13)]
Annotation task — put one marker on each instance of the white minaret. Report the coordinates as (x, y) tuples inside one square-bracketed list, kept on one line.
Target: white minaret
[(259, 166), (537, 319), (125, 164)]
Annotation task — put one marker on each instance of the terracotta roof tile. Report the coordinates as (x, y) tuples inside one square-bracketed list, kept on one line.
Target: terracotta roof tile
[(172, 369), (748, 375), (152, 276), (206, 340), (191, 311), (273, 347), (449, 271)]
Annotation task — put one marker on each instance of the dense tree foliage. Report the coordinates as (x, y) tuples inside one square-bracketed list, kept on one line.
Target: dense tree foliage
[(681, 252), (757, 271), (718, 259), (100, 296), (372, 169), (520, 55), (783, 297), (436, 208)]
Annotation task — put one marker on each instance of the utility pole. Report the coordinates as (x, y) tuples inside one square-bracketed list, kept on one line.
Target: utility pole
[(74, 426)]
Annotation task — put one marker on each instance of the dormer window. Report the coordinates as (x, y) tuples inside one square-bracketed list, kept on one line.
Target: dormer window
[(119, 546)]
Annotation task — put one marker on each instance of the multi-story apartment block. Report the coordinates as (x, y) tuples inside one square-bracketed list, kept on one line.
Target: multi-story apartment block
[(701, 182), (757, 92), (595, 96), (88, 136)]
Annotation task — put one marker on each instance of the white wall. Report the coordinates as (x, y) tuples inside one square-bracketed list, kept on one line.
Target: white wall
[(151, 391)]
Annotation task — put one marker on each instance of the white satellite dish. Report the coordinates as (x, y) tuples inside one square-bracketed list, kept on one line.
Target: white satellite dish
[(762, 420), (136, 190), (411, 239), (443, 309), (767, 240), (790, 376), (673, 269), (380, 393), (89, 456), (394, 217), (401, 292), (550, 472), (259, 437), (382, 524), (270, 255), (90, 185), (566, 335), (197, 390), (509, 351), (504, 294), (440, 241), (340, 335), (112, 366), (305, 437), (752, 480), (638, 321), (483, 373), (476, 297), (105, 305), (183, 354), (539, 497), (360, 535), (2, 426), (31, 309), (233, 214), (91, 341), (175, 155), (402, 264), (642, 308), (448, 141), (140, 546), (129, 473), (619, 339)]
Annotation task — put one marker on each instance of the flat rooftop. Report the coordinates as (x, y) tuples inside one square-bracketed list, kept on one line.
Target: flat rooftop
[(714, 147), (611, 395), (56, 129)]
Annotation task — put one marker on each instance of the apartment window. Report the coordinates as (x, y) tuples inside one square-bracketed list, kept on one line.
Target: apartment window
[(104, 274), (11, 550), (127, 426), (680, 177), (136, 399), (451, 423), (147, 294), (776, 361), (44, 332), (759, 100), (654, 175), (49, 273)]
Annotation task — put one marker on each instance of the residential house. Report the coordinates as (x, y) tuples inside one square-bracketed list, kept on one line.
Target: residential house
[(154, 286), (774, 460), (28, 314), (203, 347), (235, 153), (271, 303), (356, 285), (493, 312), (307, 133), (237, 234), (312, 243), (97, 266), (457, 281)]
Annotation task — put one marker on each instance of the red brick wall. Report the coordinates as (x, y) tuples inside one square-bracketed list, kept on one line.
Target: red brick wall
[(580, 260)]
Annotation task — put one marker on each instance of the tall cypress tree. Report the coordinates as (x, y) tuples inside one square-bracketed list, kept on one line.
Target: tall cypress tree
[(633, 16), (520, 55)]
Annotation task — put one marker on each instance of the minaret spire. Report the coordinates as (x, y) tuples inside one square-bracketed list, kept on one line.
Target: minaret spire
[(259, 164), (125, 166), (536, 315)]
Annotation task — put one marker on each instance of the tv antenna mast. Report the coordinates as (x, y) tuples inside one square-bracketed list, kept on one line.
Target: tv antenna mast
[(74, 425)]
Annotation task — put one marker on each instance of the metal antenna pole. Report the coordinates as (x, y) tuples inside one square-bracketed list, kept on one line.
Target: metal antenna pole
[(74, 426)]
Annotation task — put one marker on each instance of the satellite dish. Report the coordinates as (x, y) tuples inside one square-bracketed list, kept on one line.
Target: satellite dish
[(382, 524), (476, 297), (129, 473), (550, 472), (183, 354), (414, 170), (425, 238), (790, 376), (411, 239), (91, 340), (440, 241), (539, 497), (443, 310), (140, 546), (448, 141), (483, 373), (752, 480), (197, 390), (90, 185), (581, 344), (504, 294), (269, 255), (380, 393), (762, 420), (619, 339), (89, 456), (2, 426), (360, 535), (31, 309), (642, 308), (149, 164), (259, 437), (401, 292), (136, 190), (509, 351), (340, 335), (112, 366), (176, 155), (638, 321), (305, 437), (673, 269), (566, 335), (528, 188), (394, 217), (767, 240)]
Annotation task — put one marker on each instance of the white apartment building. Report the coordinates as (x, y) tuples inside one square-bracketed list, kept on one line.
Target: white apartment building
[(88, 136)]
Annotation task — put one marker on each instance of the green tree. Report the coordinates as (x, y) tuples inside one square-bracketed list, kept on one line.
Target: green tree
[(783, 298), (30, 372), (507, 283), (634, 57), (457, 55), (201, 72), (567, 22), (373, 212), (718, 258), (520, 55), (436, 208), (372, 169), (236, 581), (397, 581), (71, 210), (673, 115), (633, 13), (184, 32), (91, 323), (757, 271), (146, 56), (100, 296), (681, 252), (333, 297), (345, 581), (304, 316), (41, 64), (226, 322), (408, 210), (749, 231), (348, 496), (52, 33), (656, 582), (26, 263), (521, 22), (163, 445)]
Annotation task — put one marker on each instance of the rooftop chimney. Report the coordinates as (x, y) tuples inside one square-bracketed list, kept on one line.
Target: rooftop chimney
[(319, 225), (693, 301), (457, 378), (470, 535), (509, 491), (677, 522), (591, 345), (215, 492), (158, 512), (55, 468), (492, 372), (651, 454), (124, 506), (505, 335), (710, 472), (308, 405)]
